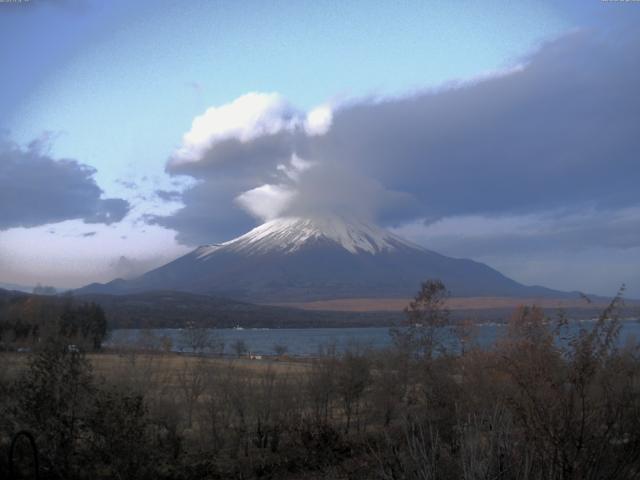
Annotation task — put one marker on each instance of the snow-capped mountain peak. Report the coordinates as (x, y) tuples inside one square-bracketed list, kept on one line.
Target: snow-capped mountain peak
[(304, 259), (290, 234)]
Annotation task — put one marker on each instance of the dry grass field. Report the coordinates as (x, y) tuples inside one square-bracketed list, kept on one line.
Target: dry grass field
[(461, 303), (161, 368)]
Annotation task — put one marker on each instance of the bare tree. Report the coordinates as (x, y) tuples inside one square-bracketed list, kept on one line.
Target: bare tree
[(192, 381), (321, 387), (280, 349), (239, 347), (426, 316), (198, 340), (353, 377)]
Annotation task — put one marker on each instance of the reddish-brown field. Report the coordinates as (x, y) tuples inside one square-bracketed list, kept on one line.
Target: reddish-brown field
[(466, 303)]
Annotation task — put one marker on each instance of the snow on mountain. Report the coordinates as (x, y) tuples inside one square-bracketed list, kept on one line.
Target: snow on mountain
[(322, 257), (290, 234)]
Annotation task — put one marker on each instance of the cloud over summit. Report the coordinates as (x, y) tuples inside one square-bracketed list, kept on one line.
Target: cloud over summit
[(560, 132)]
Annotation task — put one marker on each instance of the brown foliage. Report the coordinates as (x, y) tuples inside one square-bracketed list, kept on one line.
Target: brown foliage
[(551, 400)]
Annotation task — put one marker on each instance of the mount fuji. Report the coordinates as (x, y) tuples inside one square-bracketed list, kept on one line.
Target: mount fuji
[(297, 259)]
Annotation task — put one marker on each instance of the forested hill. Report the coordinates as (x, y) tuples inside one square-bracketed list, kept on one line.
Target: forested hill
[(175, 309), (26, 319)]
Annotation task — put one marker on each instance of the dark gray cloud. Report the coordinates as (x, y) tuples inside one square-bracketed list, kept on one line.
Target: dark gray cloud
[(169, 195), (210, 213), (35, 190), (332, 187), (479, 236), (559, 133), (249, 159)]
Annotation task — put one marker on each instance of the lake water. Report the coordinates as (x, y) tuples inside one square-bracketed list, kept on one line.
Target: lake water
[(308, 341)]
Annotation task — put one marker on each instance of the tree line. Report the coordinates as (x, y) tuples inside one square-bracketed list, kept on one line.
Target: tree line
[(25, 321)]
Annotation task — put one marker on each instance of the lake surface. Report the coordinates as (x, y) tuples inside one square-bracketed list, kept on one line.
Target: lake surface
[(309, 341)]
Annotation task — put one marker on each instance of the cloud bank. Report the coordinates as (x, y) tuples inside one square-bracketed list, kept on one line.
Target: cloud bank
[(548, 140), (36, 189)]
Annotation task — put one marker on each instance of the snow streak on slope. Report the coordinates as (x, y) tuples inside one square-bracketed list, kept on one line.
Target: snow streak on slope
[(292, 233)]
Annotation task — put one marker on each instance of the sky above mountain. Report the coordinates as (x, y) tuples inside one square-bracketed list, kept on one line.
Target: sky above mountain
[(506, 132)]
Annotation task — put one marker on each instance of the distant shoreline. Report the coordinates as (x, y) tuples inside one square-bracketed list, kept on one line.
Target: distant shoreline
[(453, 303)]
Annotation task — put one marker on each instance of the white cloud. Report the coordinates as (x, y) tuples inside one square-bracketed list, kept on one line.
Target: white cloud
[(319, 120), (270, 201), (267, 201), (247, 118)]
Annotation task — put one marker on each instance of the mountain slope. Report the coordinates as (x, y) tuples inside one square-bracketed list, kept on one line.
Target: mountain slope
[(301, 259)]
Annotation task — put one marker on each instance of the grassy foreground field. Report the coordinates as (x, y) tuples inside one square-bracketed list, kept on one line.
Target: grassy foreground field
[(166, 369)]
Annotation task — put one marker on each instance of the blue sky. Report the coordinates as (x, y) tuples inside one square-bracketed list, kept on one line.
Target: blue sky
[(141, 71), (115, 86)]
